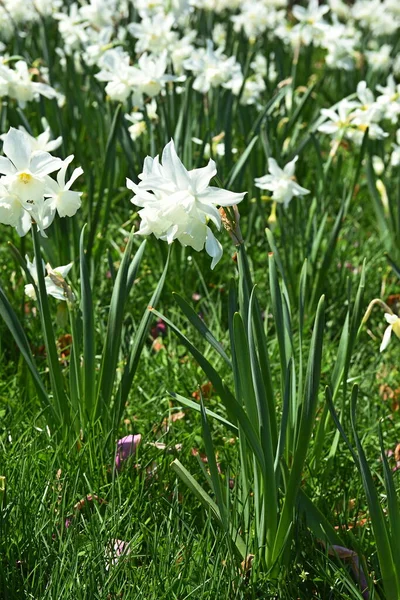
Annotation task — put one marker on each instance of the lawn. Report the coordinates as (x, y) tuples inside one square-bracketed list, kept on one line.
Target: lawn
[(199, 299)]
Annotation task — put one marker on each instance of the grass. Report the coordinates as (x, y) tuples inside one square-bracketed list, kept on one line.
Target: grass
[(64, 507)]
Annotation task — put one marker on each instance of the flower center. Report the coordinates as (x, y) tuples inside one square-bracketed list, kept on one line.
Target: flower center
[(25, 178)]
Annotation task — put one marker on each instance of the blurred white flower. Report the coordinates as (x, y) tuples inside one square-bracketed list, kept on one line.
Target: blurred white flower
[(20, 86), (54, 280), (338, 119), (281, 182), (148, 77), (390, 99), (378, 165), (394, 325), (178, 204), (59, 196), (217, 146), (43, 141), (380, 59), (154, 34)]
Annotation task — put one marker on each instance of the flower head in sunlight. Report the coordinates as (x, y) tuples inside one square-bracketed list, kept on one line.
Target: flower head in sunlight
[(180, 204), (281, 182)]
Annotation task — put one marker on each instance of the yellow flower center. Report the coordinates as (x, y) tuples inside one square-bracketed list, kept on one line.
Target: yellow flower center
[(396, 328), (25, 178)]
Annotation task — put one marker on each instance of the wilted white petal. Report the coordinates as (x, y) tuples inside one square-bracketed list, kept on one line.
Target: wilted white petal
[(213, 248), (386, 338)]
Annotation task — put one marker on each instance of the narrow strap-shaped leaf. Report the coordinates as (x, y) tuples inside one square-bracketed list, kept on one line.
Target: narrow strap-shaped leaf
[(207, 502), (247, 394), (139, 341), (201, 327), (240, 163), (307, 419), (210, 413), (11, 320), (112, 342), (235, 411), (276, 254), (317, 521), (267, 443), (393, 509), (104, 174), (212, 464), (382, 540), (56, 377), (277, 310), (284, 419), (196, 488), (89, 350), (134, 266), (246, 287)]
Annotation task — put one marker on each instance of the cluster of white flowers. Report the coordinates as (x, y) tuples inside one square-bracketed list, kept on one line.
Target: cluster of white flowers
[(177, 204), (350, 118), (148, 78), (17, 83), (27, 192)]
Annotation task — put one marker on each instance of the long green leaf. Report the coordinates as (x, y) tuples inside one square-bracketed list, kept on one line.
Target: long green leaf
[(235, 411), (89, 350), (201, 327), (210, 413)]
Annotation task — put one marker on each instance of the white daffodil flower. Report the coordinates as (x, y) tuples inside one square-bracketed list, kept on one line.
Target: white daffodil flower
[(54, 280), (179, 204), (27, 193), (281, 182), (43, 142), (60, 197), (20, 85), (25, 170), (12, 211), (394, 325)]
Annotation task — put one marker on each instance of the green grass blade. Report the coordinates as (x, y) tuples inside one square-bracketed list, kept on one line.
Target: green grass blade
[(393, 509), (14, 326), (306, 426), (235, 411), (112, 344), (56, 377), (139, 341), (201, 327), (382, 539), (212, 463), (210, 413)]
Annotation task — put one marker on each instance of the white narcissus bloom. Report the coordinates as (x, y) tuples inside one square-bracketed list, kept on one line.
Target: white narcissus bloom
[(212, 68), (394, 325), (178, 204), (60, 197), (43, 141), (281, 182), (57, 290), (27, 192), (25, 170), (20, 85)]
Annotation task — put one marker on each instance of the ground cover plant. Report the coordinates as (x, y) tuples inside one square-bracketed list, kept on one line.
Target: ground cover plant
[(199, 299)]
